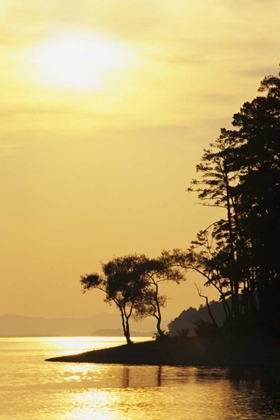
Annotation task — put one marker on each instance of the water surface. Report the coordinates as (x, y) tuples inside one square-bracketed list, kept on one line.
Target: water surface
[(31, 388)]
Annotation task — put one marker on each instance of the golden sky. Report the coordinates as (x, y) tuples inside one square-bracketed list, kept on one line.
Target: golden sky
[(105, 109)]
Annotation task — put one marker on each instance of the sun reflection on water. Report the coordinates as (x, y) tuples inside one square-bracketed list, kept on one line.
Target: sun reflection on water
[(31, 388), (95, 404), (70, 345)]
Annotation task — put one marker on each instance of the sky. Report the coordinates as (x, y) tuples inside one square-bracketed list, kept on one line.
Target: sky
[(105, 109)]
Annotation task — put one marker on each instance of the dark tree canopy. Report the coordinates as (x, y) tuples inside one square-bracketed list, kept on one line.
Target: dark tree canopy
[(240, 254), (121, 284), (132, 284)]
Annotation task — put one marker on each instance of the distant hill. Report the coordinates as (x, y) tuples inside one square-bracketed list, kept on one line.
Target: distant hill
[(187, 318), (12, 325), (119, 333)]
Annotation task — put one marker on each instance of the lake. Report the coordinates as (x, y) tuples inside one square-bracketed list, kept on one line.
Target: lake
[(31, 388)]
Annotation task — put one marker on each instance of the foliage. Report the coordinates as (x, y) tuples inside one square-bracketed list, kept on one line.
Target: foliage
[(205, 329), (164, 335), (240, 172), (156, 271), (182, 333), (121, 284), (238, 255), (132, 284)]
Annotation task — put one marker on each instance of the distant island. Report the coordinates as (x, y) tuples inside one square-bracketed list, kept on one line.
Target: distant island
[(119, 333), (14, 325)]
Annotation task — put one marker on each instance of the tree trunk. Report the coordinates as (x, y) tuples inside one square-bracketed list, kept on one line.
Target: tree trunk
[(234, 283), (125, 326), (158, 317), (209, 309), (127, 331)]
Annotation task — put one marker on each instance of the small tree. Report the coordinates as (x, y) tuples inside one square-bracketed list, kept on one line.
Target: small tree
[(132, 283), (121, 284), (151, 305), (156, 271)]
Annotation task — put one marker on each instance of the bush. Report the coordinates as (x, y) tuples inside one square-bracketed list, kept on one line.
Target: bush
[(182, 333), (166, 335), (204, 329)]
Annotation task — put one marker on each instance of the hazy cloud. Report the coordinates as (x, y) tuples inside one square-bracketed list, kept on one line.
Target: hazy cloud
[(180, 59), (260, 72), (122, 18), (27, 109)]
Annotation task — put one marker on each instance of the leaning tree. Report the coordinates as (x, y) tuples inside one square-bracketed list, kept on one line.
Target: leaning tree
[(122, 286), (132, 284), (155, 271)]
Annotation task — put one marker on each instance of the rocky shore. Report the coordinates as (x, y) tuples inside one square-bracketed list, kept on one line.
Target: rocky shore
[(248, 351)]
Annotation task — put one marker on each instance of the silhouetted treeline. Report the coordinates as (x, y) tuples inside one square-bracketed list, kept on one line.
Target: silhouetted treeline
[(239, 255)]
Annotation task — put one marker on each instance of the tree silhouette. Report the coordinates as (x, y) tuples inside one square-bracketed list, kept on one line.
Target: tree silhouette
[(240, 254), (121, 284), (132, 283), (156, 271)]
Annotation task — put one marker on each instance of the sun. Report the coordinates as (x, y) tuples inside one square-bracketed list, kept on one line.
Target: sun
[(79, 61)]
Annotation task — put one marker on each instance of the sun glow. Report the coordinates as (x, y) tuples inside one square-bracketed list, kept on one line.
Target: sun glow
[(79, 61)]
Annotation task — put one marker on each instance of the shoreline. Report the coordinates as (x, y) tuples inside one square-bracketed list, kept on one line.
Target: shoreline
[(245, 352)]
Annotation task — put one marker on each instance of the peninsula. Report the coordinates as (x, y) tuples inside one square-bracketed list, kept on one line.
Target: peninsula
[(245, 352)]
